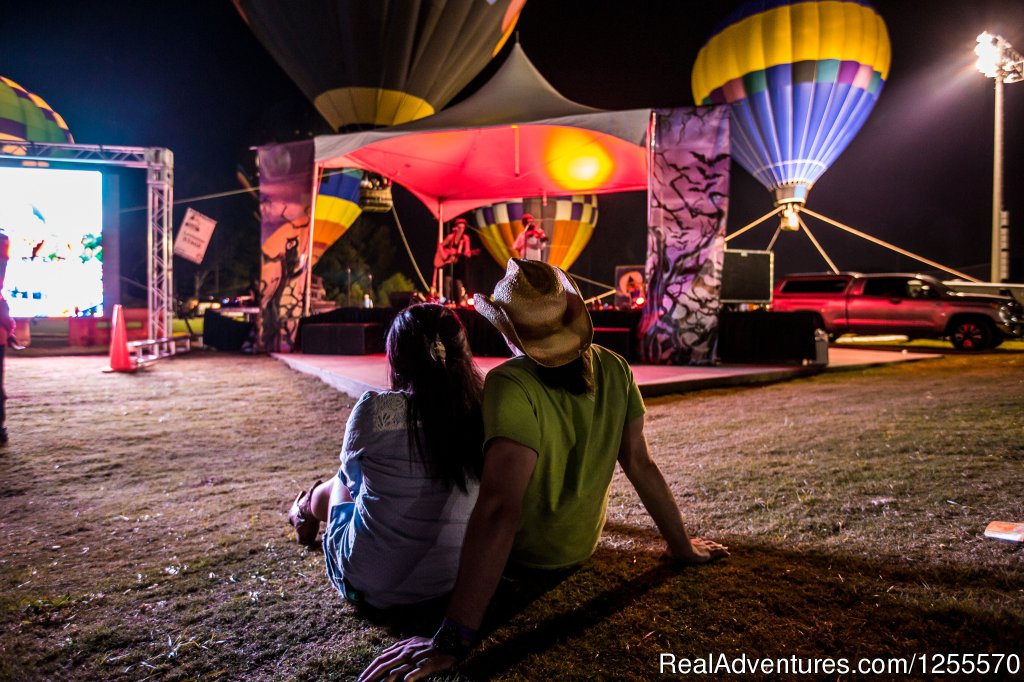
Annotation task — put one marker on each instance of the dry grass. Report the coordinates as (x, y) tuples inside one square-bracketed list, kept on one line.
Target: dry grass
[(143, 533)]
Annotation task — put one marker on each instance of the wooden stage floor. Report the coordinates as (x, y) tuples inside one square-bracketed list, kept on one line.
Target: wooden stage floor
[(354, 374)]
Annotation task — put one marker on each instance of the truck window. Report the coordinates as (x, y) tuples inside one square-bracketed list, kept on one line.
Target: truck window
[(813, 286), (919, 289), (886, 287)]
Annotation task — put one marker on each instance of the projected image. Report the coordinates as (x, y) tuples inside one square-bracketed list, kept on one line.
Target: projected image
[(54, 220)]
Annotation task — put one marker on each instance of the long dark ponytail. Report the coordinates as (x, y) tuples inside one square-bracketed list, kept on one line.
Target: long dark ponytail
[(429, 356)]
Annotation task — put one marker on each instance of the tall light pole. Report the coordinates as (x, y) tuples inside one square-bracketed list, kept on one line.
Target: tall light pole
[(998, 60)]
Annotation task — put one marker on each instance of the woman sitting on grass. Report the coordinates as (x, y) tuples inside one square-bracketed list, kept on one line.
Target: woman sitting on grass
[(396, 511)]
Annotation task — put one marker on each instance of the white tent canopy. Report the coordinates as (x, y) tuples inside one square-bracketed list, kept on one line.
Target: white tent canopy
[(515, 137)]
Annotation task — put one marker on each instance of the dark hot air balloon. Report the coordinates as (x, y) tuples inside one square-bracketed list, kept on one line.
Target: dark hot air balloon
[(368, 64)]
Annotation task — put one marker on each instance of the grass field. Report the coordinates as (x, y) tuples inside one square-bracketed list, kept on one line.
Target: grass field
[(143, 532)]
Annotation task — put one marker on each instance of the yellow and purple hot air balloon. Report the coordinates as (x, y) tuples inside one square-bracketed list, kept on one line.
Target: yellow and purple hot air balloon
[(568, 222), (800, 78), (26, 117)]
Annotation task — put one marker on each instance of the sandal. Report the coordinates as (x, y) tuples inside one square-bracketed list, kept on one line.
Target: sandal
[(306, 526)]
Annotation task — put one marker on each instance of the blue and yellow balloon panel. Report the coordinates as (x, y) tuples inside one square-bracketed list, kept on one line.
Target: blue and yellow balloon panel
[(337, 207)]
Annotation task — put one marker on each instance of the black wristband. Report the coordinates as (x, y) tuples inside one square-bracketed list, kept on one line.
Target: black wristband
[(454, 638)]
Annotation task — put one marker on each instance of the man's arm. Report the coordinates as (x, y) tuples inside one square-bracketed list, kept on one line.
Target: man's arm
[(492, 526), (644, 474), (444, 253), (508, 466), (6, 321), (519, 243)]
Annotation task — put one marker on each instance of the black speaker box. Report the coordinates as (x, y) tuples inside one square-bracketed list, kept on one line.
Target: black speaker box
[(613, 338), (343, 338), (747, 276), (225, 333), (766, 338), (402, 299)]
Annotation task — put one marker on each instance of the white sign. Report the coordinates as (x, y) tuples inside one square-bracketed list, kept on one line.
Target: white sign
[(194, 236)]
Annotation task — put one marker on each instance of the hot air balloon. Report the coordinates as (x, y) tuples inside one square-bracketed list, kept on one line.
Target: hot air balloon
[(366, 64), (337, 207), (801, 78), (568, 221), (25, 116)]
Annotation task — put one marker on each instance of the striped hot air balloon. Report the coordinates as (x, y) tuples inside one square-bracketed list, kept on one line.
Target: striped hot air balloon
[(800, 78), (568, 222), (337, 207), (25, 116), (367, 64)]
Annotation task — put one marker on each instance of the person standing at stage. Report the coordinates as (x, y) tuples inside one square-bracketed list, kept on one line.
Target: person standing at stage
[(7, 326), (396, 511), (557, 418), (6, 331), (453, 254), (532, 242)]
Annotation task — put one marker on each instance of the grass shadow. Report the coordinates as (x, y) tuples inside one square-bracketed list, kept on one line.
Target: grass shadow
[(808, 603), (515, 599)]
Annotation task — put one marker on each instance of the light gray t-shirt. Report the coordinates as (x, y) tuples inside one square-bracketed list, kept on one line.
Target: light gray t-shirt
[(403, 540)]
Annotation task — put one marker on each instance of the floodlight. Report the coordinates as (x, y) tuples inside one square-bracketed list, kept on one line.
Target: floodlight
[(997, 58), (999, 61)]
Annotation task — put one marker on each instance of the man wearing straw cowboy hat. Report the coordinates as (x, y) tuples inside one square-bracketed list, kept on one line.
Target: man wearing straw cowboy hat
[(557, 417)]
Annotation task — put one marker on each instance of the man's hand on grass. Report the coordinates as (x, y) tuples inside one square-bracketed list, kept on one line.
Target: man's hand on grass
[(702, 551), (411, 659)]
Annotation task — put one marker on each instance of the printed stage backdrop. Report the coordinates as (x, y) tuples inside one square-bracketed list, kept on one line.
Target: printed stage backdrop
[(688, 199), (337, 207), (286, 185)]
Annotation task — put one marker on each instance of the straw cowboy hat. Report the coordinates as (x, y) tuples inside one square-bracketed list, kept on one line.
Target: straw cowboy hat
[(540, 311)]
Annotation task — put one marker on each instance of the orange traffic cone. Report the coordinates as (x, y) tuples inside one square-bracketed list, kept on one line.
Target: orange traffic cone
[(120, 358)]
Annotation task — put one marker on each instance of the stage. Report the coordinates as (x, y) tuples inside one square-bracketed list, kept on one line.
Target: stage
[(354, 374)]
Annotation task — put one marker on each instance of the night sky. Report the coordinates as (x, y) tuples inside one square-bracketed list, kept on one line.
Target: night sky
[(191, 77)]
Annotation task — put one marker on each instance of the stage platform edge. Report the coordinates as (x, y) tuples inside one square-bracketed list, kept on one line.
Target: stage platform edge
[(355, 374)]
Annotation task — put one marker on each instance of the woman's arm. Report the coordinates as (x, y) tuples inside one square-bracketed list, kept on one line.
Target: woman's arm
[(508, 466)]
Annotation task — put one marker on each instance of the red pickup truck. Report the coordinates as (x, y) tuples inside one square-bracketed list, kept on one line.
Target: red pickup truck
[(912, 305)]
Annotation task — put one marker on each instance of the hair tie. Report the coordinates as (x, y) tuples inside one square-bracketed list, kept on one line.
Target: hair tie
[(437, 350)]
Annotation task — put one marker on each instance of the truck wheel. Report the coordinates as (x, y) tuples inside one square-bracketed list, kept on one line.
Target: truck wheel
[(972, 334)]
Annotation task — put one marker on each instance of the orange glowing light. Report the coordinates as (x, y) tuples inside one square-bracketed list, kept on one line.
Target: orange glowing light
[(576, 160)]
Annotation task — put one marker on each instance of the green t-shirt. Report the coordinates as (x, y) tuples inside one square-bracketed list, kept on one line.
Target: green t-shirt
[(576, 438)]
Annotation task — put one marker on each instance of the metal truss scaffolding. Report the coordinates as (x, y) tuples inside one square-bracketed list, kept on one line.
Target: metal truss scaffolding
[(159, 165)]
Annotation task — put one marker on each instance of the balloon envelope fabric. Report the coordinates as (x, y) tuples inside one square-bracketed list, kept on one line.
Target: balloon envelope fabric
[(800, 79), (337, 207), (568, 222), (366, 64), (24, 116)]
